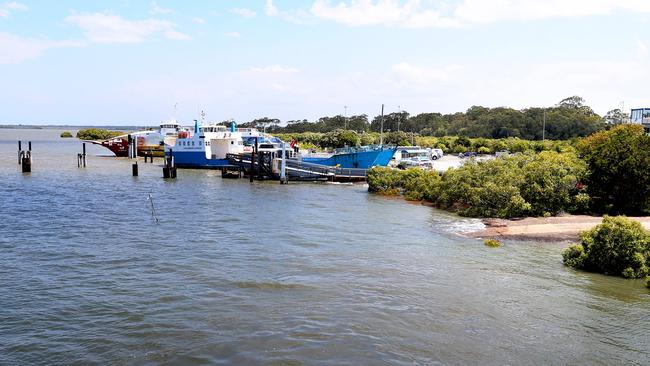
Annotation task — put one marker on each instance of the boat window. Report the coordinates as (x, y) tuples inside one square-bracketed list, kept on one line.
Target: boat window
[(192, 143)]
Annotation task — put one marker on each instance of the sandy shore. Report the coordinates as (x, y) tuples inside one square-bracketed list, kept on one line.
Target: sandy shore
[(550, 228)]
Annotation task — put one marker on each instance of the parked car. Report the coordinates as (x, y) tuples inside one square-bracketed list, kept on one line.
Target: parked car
[(416, 162), (469, 154), (436, 154)]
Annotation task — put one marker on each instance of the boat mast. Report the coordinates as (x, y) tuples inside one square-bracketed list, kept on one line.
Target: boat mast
[(381, 133)]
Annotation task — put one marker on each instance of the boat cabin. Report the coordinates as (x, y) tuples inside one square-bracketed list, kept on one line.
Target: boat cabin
[(169, 128)]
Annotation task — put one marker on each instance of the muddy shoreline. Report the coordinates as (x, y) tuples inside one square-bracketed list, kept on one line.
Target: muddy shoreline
[(557, 228)]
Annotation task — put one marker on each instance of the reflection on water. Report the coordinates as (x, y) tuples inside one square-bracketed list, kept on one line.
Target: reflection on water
[(240, 273)]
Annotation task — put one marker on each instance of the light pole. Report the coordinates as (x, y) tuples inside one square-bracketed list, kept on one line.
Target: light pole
[(399, 116), (345, 116), (544, 125)]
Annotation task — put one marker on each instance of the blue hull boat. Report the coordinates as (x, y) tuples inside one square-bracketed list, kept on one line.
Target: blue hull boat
[(197, 160), (364, 157)]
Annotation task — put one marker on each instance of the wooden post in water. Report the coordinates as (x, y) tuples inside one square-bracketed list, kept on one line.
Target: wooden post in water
[(134, 168), (128, 139), (169, 170), (252, 169), (26, 159), (81, 158), (20, 151), (283, 166)]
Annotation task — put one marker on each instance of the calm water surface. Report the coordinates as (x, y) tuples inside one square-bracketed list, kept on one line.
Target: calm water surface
[(262, 273)]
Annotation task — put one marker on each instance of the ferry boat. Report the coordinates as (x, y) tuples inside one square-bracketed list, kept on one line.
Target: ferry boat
[(148, 141), (208, 145), (362, 157)]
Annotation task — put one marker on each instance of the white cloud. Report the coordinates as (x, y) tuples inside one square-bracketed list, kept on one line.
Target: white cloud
[(156, 9), (15, 49), (270, 9), (198, 20), (243, 12), (232, 34), (364, 12), (176, 35), (7, 8), (414, 14), (298, 16), (642, 48), (273, 69), (109, 28)]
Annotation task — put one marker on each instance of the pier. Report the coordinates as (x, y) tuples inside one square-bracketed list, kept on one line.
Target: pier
[(269, 166)]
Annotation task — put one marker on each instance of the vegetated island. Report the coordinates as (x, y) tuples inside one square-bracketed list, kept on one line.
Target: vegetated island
[(97, 134), (66, 134)]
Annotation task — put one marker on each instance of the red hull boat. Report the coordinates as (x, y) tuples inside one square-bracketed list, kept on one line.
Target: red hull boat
[(120, 147)]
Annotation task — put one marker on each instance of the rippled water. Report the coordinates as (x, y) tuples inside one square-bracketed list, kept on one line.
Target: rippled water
[(262, 273)]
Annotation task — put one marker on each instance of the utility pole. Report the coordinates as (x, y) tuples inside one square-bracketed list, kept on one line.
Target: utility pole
[(345, 116), (381, 132), (544, 125), (399, 116)]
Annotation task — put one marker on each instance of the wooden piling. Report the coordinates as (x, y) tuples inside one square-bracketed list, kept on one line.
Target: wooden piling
[(251, 172), (134, 169), (81, 158), (169, 170), (20, 151), (26, 162)]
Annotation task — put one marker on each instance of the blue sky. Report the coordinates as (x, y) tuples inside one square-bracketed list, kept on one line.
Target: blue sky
[(129, 62)]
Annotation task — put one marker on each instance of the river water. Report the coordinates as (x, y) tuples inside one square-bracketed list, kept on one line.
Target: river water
[(263, 273)]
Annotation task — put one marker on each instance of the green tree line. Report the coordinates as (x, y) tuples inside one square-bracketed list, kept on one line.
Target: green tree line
[(567, 119)]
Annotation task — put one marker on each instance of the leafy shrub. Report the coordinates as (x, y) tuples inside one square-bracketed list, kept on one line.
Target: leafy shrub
[(484, 150), (522, 185), (420, 184), (459, 149), (619, 247), (368, 139), (416, 184), (492, 243), (97, 134), (340, 138), (618, 160), (384, 180), (514, 186), (66, 134)]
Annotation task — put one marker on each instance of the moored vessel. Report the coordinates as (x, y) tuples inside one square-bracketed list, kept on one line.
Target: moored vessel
[(361, 157), (208, 145), (148, 142)]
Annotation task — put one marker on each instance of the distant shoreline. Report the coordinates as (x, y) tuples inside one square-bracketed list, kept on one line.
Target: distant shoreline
[(52, 127)]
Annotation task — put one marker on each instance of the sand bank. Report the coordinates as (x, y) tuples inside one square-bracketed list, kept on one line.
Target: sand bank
[(537, 228)]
